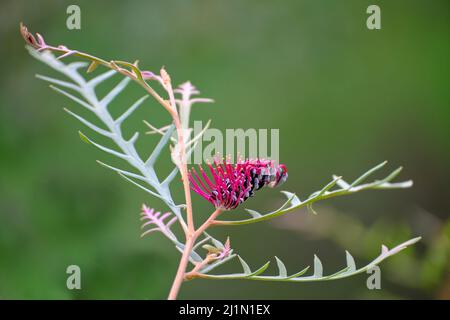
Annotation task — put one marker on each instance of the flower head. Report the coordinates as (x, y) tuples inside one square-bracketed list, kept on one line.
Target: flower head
[(232, 184)]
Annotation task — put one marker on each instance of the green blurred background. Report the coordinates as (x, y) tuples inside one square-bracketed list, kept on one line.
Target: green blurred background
[(345, 98)]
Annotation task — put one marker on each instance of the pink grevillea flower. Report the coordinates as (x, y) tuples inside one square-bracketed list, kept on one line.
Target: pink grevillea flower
[(232, 184)]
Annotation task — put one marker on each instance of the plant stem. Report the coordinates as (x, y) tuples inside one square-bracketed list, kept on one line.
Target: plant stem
[(181, 269), (190, 241), (208, 222), (191, 234)]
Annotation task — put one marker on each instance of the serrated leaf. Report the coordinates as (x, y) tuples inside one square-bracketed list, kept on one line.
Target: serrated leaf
[(294, 202), (348, 271), (89, 99)]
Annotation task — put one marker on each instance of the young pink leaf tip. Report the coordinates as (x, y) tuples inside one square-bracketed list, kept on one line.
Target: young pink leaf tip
[(226, 250), (157, 220)]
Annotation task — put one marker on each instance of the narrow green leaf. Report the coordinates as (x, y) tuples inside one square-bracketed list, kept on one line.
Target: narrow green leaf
[(245, 266), (260, 270), (84, 138), (114, 92), (397, 185), (124, 172), (341, 183), (281, 268), (103, 148), (340, 272), (217, 263), (161, 144), (74, 98), (74, 66), (88, 124), (318, 269), (298, 274), (217, 243), (367, 174), (253, 213), (59, 82), (293, 200), (133, 138), (194, 256), (92, 67), (170, 177), (100, 78), (144, 188), (350, 262), (201, 242), (328, 186), (130, 110), (393, 175)]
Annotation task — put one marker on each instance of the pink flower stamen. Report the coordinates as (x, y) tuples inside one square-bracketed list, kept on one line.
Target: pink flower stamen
[(233, 184)]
